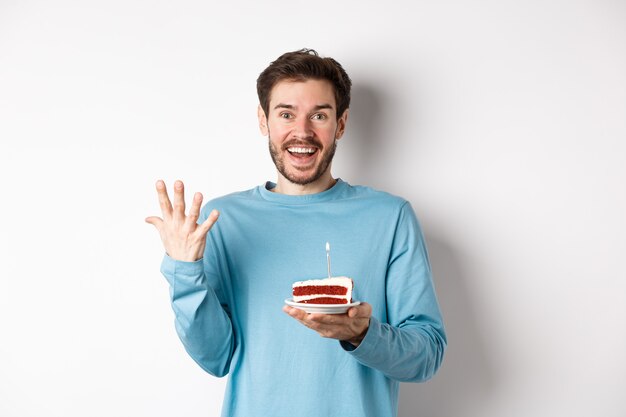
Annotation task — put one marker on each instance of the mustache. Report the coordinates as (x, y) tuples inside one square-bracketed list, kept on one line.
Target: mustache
[(302, 143)]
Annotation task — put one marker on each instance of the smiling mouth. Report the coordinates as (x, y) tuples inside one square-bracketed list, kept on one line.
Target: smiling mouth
[(301, 151)]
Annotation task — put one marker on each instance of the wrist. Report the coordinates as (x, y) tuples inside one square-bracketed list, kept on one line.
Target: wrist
[(356, 341), (184, 257)]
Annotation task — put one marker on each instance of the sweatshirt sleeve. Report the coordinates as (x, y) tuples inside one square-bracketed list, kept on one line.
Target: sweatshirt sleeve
[(202, 323), (410, 345)]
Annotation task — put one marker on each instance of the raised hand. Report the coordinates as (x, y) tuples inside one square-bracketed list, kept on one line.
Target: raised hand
[(182, 237)]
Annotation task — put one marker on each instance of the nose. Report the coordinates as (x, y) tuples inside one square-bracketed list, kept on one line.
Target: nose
[(303, 128)]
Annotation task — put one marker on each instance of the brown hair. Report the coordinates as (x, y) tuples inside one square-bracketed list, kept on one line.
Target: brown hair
[(303, 65)]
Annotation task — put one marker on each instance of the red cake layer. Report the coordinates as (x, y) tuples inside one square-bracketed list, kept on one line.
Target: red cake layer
[(320, 289), (325, 300)]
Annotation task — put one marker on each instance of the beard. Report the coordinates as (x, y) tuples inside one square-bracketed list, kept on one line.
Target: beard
[(324, 164)]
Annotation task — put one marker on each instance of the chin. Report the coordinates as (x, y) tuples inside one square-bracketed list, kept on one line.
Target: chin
[(301, 180)]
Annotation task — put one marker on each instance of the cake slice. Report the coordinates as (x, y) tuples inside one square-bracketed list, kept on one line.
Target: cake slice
[(335, 290)]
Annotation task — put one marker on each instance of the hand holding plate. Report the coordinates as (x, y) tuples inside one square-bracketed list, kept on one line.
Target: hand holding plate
[(350, 327)]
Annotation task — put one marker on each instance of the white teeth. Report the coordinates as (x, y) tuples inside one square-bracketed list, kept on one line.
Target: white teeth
[(301, 150)]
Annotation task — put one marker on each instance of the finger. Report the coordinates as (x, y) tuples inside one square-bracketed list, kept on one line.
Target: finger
[(155, 221), (296, 313), (362, 310), (328, 319), (179, 200), (209, 222), (164, 200), (194, 212)]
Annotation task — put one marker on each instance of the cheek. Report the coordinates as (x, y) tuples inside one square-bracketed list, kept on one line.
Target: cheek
[(328, 132), (278, 130)]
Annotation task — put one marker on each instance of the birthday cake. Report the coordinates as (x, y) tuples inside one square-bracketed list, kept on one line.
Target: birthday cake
[(335, 290)]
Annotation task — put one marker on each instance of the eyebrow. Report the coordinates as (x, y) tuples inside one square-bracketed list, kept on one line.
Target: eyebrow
[(292, 107)]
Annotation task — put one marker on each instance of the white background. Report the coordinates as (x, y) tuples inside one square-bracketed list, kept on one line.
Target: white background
[(504, 123)]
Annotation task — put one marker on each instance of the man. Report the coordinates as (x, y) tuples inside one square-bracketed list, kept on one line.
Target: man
[(229, 278)]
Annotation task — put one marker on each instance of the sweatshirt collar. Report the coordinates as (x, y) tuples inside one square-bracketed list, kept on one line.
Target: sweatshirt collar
[(330, 194)]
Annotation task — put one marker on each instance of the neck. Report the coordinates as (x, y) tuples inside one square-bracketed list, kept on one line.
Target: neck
[(284, 186)]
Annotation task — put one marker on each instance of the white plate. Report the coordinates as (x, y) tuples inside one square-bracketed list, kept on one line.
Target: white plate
[(322, 308)]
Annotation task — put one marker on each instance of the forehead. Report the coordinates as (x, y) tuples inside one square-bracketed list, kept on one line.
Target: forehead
[(308, 93)]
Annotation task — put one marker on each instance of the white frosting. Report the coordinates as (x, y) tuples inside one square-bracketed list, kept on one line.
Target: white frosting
[(338, 281)]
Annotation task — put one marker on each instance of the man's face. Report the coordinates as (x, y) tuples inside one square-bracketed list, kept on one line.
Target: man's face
[(302, 127)]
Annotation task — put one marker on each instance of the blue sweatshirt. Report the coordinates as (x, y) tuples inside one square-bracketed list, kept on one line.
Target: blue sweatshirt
[(228, 305)]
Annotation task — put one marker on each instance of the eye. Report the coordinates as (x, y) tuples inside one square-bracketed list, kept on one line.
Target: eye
[(286, 115), (319, 116)]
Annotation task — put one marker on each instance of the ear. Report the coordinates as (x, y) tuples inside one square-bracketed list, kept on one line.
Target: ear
[(341, 125), (262, 120)]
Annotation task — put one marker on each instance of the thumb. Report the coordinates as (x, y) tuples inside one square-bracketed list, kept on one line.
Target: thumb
[(155, 221), (362, 310), (209, 222)]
